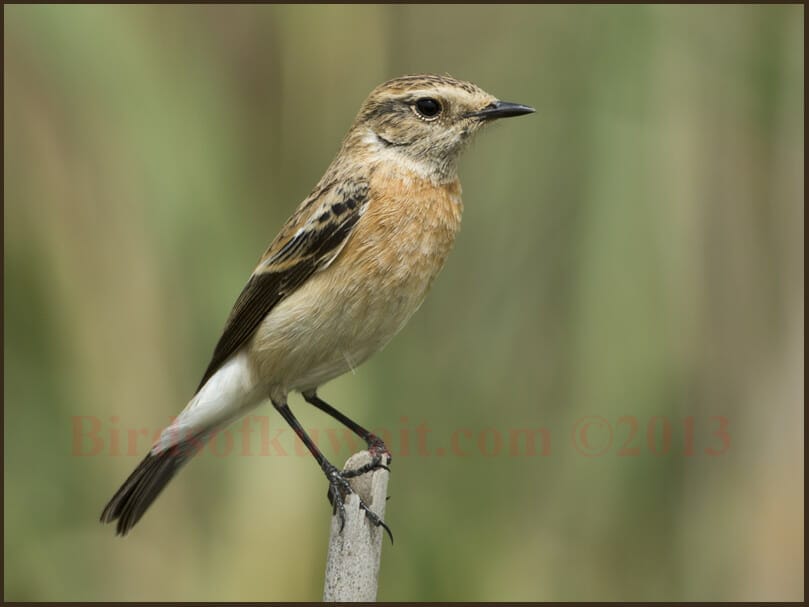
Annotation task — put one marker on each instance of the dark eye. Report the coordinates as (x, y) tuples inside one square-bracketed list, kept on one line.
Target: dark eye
[(428, 108)]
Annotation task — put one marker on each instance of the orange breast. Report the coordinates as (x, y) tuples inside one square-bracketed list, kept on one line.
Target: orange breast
[(407, 231), (348, 311)]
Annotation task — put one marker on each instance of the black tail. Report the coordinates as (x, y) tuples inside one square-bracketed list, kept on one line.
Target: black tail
[(145, 484)]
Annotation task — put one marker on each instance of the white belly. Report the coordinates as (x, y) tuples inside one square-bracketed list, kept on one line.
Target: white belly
[(330, 326)]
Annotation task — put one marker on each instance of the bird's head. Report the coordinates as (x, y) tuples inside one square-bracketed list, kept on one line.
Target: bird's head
[(426, 121)]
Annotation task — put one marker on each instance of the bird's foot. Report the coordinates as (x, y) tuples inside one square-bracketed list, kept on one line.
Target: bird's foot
[(380, 458), (339, 489)]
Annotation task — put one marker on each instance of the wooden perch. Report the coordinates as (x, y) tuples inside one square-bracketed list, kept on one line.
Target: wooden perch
[(352, 565)]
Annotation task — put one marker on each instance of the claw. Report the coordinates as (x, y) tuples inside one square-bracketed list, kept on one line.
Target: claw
[(339, 488), (377, 449), (374, 464), (336, 497), (376, 521)]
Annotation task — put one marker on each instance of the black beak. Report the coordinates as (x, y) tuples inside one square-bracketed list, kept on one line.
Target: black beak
[(501, 109)]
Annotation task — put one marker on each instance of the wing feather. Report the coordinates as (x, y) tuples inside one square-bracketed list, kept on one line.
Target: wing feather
[(309, 242)]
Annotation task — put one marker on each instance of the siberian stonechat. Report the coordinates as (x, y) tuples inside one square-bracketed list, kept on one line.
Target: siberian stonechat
[(346, 272)]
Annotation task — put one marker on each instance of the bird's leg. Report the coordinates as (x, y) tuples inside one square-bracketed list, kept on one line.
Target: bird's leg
[(339, 487), (376, 447)]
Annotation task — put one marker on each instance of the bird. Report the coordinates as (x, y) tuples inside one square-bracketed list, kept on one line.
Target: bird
[(345, 273)]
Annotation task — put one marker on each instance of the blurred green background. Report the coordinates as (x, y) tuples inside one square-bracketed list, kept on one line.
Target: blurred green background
[(634, 249)]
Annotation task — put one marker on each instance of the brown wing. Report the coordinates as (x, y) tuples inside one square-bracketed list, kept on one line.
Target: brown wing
[(309, 241)]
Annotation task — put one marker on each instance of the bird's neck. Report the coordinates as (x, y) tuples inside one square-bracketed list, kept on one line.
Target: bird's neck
[(364, 148)]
